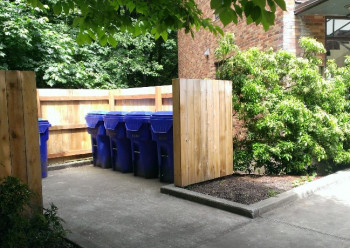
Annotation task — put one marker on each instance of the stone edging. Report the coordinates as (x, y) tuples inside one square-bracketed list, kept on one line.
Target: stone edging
[(261, 207), (69, 164)]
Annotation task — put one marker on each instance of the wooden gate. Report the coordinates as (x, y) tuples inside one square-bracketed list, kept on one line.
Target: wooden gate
[(203, 147)]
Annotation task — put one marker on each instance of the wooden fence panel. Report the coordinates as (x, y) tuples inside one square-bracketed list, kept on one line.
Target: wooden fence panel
[(202, 130), (66, 110), (20, 152)]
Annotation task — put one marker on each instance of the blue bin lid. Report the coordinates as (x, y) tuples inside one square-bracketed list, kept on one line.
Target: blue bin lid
[(43, 125), (94, 117), (111, 119), (160, 114), (97, 112), (139, 113), (114, 113), (162, 121), (135, 119)]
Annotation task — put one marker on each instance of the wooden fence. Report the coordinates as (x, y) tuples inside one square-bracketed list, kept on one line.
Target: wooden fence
[(19, 146), (202, 130), (66, 109)]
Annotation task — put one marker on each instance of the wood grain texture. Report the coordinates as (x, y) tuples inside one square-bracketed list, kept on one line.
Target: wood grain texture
[(177, 132), (5, 152), (158, 99), (30, 116), (202, 130), (19, 150), (16, 125)]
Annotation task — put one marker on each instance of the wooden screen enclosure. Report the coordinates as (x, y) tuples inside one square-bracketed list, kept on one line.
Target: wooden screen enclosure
[(202, 124)]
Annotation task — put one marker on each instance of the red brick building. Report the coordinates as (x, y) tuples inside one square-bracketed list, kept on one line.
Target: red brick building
[(326, 20)]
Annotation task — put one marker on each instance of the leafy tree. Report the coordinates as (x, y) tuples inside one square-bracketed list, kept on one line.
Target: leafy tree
[(100, 20), (295, 119), (36, 39)]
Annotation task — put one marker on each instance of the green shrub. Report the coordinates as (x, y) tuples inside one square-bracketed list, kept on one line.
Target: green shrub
[(21, 225), (294, 117)]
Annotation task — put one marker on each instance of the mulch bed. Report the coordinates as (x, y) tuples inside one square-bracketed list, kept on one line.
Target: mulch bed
[(245, 189)]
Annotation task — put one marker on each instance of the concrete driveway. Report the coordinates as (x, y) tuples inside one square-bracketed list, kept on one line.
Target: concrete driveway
[(103, 208)]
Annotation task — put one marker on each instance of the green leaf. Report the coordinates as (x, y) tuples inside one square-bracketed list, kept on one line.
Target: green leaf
[(40, 5), (131, 6), (103, 40), (281, 4), (215, 4), (57, 8), (81, 38), (272, 5), (227, 16), (238, 10), (256, 13), (260, 3), (267, 19), (65, 7), (164, 35), (112, 41), (137, 31), (76, 21), (71, 4)]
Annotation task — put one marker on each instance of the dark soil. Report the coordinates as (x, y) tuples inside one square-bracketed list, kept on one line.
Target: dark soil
[(245, 189)]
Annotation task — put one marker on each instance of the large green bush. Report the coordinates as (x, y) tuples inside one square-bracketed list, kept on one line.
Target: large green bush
[(295, 118), (21, 225)]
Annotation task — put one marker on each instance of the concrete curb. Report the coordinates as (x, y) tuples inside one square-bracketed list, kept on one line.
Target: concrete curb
[(69, 164), (257, 209)]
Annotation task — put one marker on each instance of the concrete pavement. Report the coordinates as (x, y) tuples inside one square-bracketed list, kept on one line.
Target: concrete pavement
[(103, 208)]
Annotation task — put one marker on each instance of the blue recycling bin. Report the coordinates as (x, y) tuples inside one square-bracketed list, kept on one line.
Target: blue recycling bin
[(162, 133), (99, 139), (44, 136), (143, 148), (120, 145)]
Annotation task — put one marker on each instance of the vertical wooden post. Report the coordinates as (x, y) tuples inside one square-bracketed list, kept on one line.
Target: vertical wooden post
[(202, 113), (177, 132), (158, 98), (20, 153), (111, 101), (5, 152), (38, 103)]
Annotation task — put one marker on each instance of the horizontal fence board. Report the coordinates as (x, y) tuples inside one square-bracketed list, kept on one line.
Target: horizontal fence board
[(72, 98), (64, 127), (72, 153)]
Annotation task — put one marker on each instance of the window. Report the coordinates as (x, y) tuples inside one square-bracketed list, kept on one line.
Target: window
[(337, 39)]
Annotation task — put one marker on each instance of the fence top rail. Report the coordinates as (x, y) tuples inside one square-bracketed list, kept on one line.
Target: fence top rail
[(103, 95)]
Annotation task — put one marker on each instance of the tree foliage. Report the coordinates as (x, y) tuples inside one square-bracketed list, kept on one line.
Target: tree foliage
[(100, 20), (295, 118), (36, 39)]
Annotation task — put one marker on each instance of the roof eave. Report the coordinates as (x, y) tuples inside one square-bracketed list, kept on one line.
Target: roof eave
[(307, 5)]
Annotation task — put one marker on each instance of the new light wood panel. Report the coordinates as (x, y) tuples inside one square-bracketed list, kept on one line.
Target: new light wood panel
[(19, 151), (203, 146)]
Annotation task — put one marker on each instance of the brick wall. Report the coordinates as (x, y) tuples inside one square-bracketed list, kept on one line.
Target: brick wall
[(284, 34), (193, 63)]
